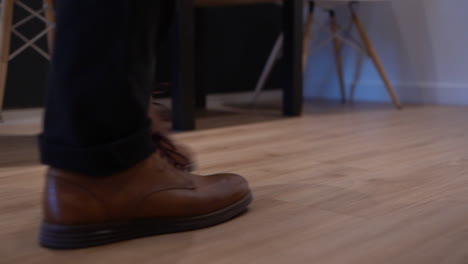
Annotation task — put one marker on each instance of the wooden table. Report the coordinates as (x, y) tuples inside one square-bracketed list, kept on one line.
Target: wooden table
[(184, 91)]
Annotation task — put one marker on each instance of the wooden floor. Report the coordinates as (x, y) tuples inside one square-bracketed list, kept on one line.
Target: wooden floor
[(345, 186)]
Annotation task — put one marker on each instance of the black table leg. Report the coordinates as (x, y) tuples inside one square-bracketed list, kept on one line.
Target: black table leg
[(293, 37), (200, 60), (183, 93), (200, 93)]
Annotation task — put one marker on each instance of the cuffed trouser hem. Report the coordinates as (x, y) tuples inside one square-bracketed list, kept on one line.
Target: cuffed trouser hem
[(101, 160)]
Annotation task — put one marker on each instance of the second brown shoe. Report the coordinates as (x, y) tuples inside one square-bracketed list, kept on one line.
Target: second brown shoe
[(152, 198)]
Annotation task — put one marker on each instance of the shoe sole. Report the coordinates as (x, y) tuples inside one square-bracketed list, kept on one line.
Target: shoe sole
[(82, 236)]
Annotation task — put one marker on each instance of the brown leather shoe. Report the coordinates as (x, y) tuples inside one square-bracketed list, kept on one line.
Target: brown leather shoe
[(149, 199), (180, 155)]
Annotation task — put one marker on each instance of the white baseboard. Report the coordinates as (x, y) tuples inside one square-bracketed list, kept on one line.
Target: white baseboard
[(418, 93)]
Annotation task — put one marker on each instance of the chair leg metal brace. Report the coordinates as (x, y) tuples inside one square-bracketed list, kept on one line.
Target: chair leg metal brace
[(7, 28)]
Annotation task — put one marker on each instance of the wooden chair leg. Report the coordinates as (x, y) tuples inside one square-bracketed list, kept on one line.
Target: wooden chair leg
[(6, 20), (277, 48), (271, 62), (375, 57), (50, 15), (338, 57), (308, 37)]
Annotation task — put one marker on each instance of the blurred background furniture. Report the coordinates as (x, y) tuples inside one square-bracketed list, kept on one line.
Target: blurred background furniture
[(184, 90), (8, 28), (185, 86), (338, 39)]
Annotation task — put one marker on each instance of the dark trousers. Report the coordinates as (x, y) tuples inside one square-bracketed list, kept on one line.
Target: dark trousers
[(101, 78)]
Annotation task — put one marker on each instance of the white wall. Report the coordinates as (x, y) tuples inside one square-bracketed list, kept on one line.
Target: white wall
[(423, 45)]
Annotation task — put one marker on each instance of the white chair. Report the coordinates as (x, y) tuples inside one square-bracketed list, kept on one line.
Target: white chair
[(7, 29), (338, 39)]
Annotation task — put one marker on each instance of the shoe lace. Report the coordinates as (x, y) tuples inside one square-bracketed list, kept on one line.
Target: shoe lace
[(168, 150)]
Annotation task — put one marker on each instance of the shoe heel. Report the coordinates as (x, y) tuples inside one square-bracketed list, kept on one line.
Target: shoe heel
[(71, 237)]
